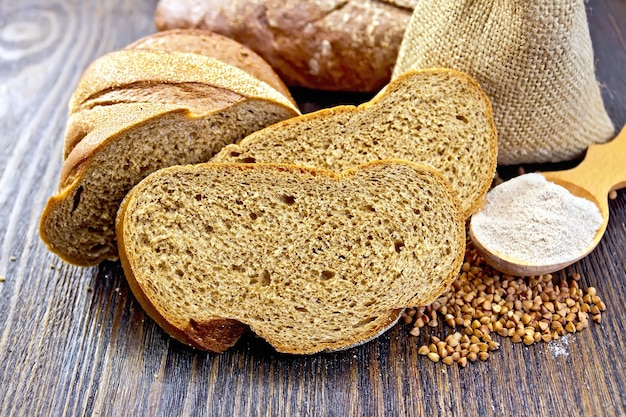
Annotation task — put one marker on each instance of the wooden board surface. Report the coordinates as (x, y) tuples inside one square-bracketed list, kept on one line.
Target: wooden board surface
[(73, 341)]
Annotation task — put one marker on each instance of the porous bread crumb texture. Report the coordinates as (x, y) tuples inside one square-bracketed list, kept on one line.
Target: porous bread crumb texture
[(172, 107), (78, 223), (438, 117), (309, 261)]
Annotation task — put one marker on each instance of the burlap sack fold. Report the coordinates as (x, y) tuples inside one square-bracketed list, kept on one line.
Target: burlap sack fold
[(533, 58)]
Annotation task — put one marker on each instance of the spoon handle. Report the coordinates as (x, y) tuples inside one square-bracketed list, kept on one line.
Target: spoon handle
[(602, 170)]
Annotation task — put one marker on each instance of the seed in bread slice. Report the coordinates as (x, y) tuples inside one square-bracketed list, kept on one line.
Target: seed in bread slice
[(440, 117), (309, 259), (139, 111)]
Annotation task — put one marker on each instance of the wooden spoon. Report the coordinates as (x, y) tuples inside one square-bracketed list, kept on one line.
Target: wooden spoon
[(602, 170)]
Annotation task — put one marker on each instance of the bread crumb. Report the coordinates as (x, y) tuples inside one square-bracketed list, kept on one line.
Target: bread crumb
[(88, 288), (52, 266), (13, 258), (2, 279)]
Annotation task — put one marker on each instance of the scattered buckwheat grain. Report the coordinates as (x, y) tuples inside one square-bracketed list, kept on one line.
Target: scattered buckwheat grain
[(483, 302)]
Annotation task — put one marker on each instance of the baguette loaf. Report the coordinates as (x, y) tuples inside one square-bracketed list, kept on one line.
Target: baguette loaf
[(341, 45), (440, 117), (310, 260), (136, 111)]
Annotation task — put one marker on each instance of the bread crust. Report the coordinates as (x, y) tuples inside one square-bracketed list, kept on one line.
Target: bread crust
[(339, 45), (120, 69), (214, 45)]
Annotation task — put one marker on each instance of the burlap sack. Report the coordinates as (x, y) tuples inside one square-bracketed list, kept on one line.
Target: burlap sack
[(533, 58)]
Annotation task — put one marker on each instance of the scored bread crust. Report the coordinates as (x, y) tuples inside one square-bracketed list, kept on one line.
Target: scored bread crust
[(207, 43), (126, 68), (135, 111), (438, 116), (200, 273)]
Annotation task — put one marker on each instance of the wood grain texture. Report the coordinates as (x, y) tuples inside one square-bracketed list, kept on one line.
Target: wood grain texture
[(74, 342)]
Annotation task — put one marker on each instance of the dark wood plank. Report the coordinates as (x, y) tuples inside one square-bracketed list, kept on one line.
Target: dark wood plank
[(73, 341)]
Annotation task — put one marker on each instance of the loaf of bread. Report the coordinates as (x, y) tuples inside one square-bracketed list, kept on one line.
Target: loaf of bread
[(440, 117), (341, 45), (138, 110), (308, 259)]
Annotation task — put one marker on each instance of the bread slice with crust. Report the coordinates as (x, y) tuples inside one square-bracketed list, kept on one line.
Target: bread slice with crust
[(136, 111), (186, 92), (440, 117), (308, 259)]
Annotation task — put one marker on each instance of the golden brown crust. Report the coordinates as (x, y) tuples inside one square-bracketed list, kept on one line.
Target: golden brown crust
[(207, 43), (199, 92), (123, 68), (341, 45)]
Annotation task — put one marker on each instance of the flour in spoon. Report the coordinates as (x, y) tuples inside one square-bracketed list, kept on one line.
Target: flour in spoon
[(536, 221)]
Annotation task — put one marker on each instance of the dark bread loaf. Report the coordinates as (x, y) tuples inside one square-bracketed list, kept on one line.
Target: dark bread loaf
[(310, 260), (136, 111), (347, 45)]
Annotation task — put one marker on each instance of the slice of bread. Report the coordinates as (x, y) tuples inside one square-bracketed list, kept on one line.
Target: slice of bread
[(440, 117), (310, 260), (182, 91), (136, 111)]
